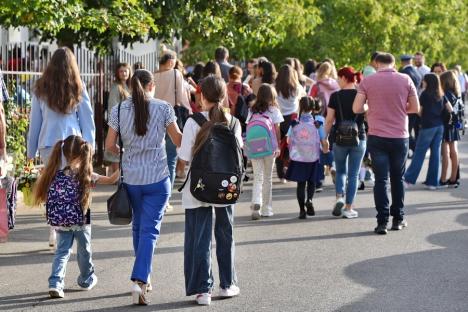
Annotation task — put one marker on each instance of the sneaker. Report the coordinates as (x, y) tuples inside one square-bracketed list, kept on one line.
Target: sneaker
[(443, 184), (407, 185), (256, 212), (139, 294), (399, 224), (284, 181), (56, 293), (381, 229), (267, 213), (302, 214), (362, 186), (431, 187), (310, 208), (91, 286), (203, 299), (349, 213), (454, 184), (338, 207), (319, 187), (229, 292)]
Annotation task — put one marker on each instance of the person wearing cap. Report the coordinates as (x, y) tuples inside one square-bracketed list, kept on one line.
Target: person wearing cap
[(413, 119)]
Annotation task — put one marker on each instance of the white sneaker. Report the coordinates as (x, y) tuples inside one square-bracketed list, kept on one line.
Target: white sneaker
[(203, 299), (91, 286), (232, 291), (56, 293), (284, 181), (169, 208), (349, 213), (431, 187), (267, 213)]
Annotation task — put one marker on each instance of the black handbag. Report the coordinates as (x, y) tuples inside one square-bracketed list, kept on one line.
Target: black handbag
[(347, 132), (119, 207)]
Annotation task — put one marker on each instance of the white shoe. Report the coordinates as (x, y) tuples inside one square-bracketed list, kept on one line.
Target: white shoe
[(431, 187), (203, 299), (169, 208), (91, 286), (349, 213), (56, 293), (232, 291), (267, 213), (284, 181), (139, 294), (407, 185)]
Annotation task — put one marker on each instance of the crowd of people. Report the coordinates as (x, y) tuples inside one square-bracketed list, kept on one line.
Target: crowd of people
[(307, 121)]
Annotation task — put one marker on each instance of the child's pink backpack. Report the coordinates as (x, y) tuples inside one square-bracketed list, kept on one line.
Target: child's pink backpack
[(304, 141)]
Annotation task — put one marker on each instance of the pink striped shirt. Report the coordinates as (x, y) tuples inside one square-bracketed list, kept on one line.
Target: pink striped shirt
[(387, 94)]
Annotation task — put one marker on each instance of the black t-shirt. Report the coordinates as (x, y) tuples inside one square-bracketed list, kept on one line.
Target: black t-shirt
[(432, 110), (346, 99)]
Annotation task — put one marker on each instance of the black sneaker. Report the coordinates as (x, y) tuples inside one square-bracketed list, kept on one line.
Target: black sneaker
[(454, 184), (310, 208), (381, 229), (399, 224), (362, 186), (302, 214)]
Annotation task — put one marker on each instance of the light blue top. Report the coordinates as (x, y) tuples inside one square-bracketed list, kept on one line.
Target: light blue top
[(46, 126), (144, 158)]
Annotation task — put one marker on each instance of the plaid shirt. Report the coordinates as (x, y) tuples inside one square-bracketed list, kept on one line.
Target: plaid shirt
[(4, 92)]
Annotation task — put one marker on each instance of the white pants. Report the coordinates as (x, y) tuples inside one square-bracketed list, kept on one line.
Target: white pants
[(262, 184)]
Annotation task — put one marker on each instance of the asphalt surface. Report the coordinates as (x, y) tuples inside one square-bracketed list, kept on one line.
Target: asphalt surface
[(283, 264)]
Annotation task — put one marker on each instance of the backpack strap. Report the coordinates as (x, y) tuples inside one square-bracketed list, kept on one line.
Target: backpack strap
[(199, 118)]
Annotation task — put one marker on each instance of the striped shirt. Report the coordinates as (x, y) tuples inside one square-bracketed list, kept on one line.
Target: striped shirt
[(144, 158)]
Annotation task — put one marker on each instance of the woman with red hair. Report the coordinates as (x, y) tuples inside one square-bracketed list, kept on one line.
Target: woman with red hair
[(349, 151)]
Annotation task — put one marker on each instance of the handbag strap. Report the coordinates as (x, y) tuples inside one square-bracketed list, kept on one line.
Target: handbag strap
[(175, 87), (120, 144)]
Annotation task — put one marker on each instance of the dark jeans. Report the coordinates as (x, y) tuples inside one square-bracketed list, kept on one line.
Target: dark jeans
[(284, 127), (388, 158), (414, 122), (197, 248)]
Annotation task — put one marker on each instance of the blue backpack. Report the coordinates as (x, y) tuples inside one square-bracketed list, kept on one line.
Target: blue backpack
[(63, 205), (260, 138)]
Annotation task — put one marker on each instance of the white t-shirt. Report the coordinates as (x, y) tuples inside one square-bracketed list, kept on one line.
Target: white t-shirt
[(273, 112), (191, 129), (290, 105)]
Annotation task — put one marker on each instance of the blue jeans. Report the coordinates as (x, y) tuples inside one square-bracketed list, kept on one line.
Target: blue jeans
[(388, 158), (427, 138), (148, 203), (171, 152), (83, 257), (197, 248), (348, 163)]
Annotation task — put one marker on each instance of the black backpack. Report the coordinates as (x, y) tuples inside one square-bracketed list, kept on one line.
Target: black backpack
[(217, 170), (242, 107)]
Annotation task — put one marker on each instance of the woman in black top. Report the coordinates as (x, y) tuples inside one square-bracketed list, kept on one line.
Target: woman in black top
[(347, 158), (433, 106)]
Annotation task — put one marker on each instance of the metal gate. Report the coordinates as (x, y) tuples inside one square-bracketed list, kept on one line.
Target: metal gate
[(22, 63)]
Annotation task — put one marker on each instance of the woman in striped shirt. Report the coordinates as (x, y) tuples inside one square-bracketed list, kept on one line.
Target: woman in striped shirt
[(143, 124)]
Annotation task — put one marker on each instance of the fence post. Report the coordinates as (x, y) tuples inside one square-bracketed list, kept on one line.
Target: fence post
[(99, 114)]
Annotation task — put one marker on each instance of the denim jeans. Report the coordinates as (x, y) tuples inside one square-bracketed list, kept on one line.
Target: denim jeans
[(197, 249), (83, 257), (171, 153), (388, 158), (427, 138), (348, 163), (148, 204), (263, 182)]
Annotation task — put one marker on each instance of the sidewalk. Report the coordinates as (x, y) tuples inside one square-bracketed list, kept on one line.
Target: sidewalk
[(283, 264)]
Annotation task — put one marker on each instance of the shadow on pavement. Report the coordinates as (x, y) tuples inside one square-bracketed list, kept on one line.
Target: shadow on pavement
[(433, 280)]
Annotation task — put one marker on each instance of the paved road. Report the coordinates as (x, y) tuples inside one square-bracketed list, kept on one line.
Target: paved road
[(284, 264)]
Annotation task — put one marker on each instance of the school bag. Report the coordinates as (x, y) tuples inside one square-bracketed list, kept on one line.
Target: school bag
[(217, 170), (260, 139), (304, 142), (63, 205)]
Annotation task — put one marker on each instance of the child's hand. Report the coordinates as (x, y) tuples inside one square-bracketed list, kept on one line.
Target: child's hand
[(325, 147)]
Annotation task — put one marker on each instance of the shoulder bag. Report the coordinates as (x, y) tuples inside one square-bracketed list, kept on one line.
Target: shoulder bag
[(119, 208), (347, 132)]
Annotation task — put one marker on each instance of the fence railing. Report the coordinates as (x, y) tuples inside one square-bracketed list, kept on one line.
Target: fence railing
[(22, 64)]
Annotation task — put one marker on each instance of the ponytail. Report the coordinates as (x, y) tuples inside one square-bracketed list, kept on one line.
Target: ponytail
[(214, 91), (84, 174), (41, 187), (140, 80), (358, 76)]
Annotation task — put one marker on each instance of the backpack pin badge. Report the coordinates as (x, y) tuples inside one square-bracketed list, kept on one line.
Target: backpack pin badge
[(200, 185)]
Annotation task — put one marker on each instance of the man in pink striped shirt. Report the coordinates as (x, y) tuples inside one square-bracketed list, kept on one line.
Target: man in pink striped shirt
[(390, 97)]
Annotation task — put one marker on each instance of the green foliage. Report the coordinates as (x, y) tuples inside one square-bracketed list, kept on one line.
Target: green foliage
[(17, 126), (347, 31)]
